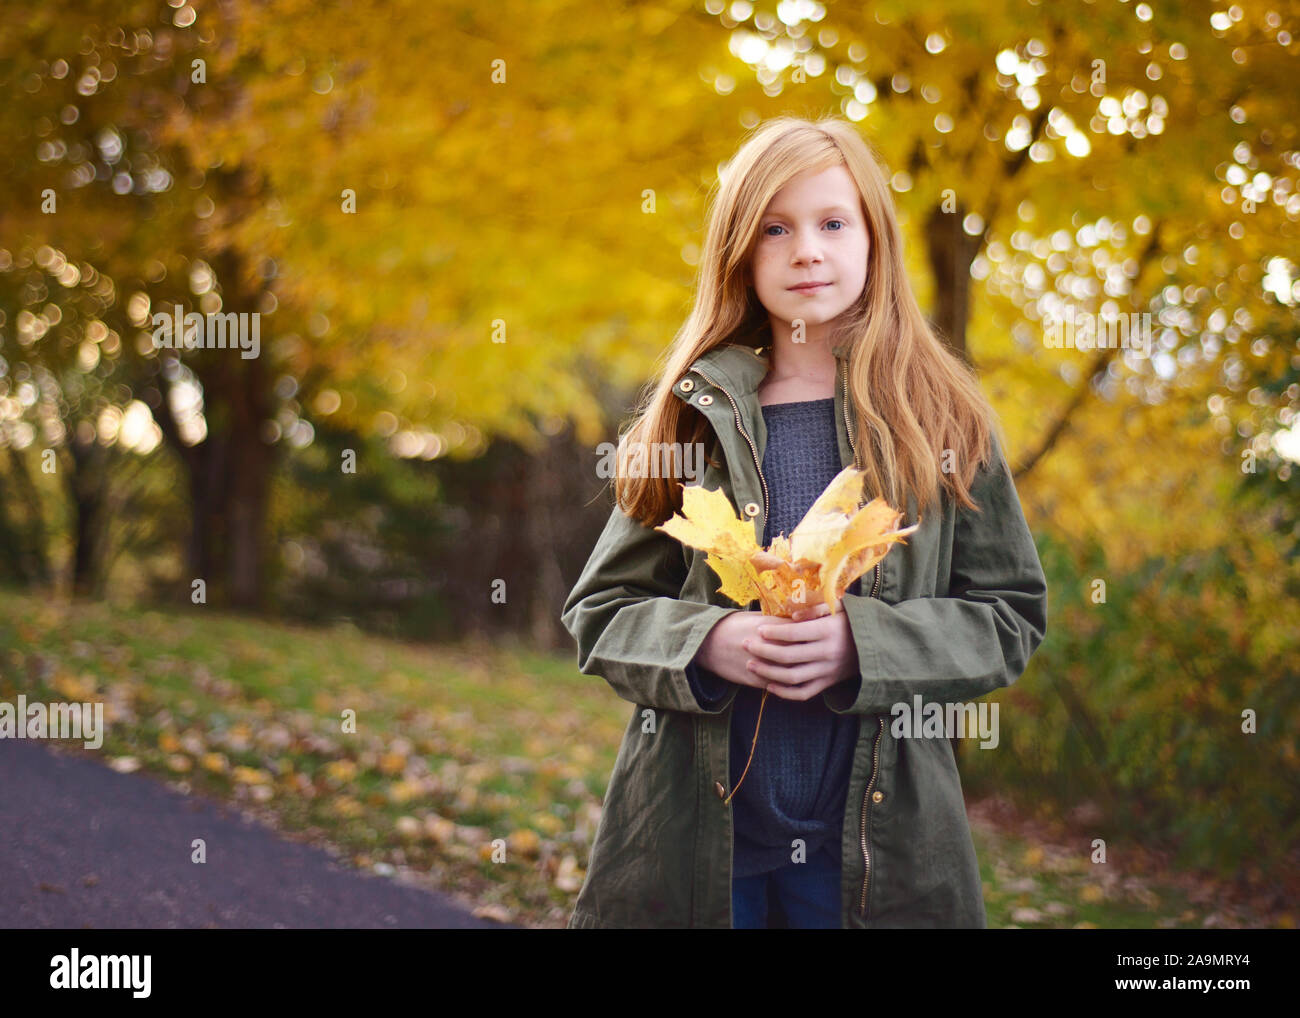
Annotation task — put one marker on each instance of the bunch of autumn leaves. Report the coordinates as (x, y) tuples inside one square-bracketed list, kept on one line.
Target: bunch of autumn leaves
[(837, 541)]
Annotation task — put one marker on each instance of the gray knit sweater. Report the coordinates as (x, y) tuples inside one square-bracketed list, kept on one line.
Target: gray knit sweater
[(798, 780)]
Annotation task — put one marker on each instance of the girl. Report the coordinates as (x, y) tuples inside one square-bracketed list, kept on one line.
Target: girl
[(805, 352)]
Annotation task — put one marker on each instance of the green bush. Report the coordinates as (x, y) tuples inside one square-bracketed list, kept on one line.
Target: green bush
[(1135, 707)]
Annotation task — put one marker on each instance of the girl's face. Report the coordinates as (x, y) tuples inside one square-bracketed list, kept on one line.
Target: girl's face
[(813, 231)]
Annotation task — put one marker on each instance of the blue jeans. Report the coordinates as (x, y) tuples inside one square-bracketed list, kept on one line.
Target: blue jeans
[(807, 893)]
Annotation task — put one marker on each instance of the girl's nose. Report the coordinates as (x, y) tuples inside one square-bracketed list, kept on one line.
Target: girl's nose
[(807, 251)]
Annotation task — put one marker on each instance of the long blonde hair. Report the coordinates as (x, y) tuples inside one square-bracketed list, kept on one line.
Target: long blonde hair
[(928, 422)]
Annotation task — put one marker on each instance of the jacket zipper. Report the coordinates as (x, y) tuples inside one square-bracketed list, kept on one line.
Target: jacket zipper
[(741, 428), (875, 591), (880, 721)]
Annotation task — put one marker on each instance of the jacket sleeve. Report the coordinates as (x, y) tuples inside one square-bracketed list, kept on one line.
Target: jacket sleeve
[(710, 689), (629, 624), (969, 643)]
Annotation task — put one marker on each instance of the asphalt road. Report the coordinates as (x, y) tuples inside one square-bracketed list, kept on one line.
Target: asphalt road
[(84, 847)]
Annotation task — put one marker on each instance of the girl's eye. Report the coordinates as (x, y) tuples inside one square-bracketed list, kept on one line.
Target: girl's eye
[(777, 226)]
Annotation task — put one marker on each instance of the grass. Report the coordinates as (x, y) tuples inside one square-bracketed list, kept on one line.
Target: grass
[(413, 760), (1029, 886), (447, 749)]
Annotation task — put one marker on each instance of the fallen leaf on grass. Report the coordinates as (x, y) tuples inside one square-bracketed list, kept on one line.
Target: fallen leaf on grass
[(346, 806), (215, 762), (341, 770), (404, 791), (524, 842), (470, 835), (250, 776), (548, 822), (439, 829), (79, 688), (496, 913), (408, 827), (569, 877)]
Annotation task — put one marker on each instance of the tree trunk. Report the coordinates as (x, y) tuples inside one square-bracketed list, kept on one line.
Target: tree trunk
[(950, 250), (248, 486), (87, 488), (24, 543), (204, 468), (229, 472)]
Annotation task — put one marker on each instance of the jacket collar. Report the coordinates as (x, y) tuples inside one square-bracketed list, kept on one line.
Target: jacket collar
[(740, 369)]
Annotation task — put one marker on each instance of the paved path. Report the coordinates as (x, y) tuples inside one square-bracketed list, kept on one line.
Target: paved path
[(83, 847)]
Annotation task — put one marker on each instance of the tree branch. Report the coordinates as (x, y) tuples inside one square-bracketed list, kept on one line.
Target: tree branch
[(1099, 365)]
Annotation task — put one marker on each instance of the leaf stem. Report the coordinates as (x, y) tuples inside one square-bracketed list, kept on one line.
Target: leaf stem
[(752, 746)]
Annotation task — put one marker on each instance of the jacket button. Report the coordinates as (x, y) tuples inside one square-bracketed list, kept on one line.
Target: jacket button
[(877, 795), (687, 384), (751, 508), (706, 400), (722, 792)]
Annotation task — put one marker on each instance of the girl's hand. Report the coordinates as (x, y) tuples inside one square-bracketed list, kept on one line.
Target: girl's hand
[(813, 652), (724, 652)]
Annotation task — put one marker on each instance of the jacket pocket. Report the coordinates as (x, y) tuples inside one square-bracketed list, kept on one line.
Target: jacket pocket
[(924, 870)]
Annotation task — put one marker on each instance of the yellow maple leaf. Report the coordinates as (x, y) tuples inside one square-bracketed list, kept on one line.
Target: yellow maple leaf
[(836, 542), (708, 522), (863, 540)]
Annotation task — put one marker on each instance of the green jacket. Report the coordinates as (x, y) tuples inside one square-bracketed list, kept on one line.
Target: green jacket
[(951, 615)]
